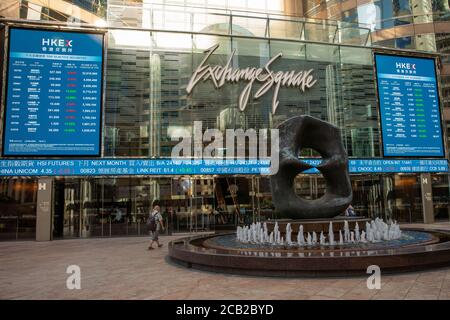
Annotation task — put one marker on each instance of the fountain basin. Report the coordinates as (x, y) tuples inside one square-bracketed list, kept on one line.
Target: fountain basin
[(217, 253)]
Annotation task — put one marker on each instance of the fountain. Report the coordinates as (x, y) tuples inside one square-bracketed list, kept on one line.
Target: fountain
[(331, 234), (346, 232), (300, 236), (322, 239), (309, 240), (384, 232), (305, 248), (288, 234)]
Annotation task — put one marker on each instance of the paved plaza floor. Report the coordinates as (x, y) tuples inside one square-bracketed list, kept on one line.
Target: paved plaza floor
[(123, 268)]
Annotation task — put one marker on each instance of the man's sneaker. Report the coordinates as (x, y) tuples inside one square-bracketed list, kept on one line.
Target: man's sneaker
[(160, 245)]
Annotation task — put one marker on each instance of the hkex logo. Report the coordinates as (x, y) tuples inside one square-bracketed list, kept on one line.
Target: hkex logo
[(56, 42), (405, 65)]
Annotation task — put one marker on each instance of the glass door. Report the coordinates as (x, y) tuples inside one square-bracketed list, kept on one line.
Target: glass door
[(263, 199), (203, 204), (368, 197), (67, 208), (126, 204), (441, 199), (192, 206), (403, 197), (180, 203)]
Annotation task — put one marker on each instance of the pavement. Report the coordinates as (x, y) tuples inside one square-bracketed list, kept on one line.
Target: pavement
[(123, 268)]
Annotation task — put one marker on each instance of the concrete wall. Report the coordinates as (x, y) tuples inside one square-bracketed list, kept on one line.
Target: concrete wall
[(9, 8)]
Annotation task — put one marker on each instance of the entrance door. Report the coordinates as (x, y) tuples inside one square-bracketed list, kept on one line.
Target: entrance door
[(192, 204), (234, 205), (77, 208), (103, 207), (263, 199), (368, 200), (67, 210), (441, 200), (403, 197), (180, 204)]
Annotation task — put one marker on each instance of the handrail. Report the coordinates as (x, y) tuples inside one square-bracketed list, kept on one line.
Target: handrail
[(64, 25), (330, 35), (320, 30), (315, 26)]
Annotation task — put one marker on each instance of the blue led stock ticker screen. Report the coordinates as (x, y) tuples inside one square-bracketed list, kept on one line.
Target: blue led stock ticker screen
[(136, 167), (54, 93), (409, 106)]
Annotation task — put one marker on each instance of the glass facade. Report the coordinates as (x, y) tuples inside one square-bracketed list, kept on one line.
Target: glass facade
[(404, 24), (148, 71), (152, 52), (18, 209)]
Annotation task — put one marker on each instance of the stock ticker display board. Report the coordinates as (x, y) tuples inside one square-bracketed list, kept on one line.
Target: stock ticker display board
[(409, 106), (54, 93)]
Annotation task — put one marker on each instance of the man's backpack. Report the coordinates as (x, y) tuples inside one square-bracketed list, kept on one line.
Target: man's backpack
[(151, 222)]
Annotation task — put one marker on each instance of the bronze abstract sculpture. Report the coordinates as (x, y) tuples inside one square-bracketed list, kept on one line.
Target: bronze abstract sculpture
[(308, 132)]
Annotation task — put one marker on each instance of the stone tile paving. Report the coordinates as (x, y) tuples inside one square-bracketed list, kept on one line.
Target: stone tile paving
[(122, 268)]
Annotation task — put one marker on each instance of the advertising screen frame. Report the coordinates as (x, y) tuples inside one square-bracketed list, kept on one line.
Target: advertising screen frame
[(6, 61), (439, 100)]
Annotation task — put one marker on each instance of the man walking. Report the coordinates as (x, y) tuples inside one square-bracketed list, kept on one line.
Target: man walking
[(155, 225)]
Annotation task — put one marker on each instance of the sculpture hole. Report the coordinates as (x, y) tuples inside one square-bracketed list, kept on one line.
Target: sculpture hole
[(309, 186)]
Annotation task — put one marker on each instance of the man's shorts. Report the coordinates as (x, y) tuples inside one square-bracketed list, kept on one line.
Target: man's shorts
[(154, 235)]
